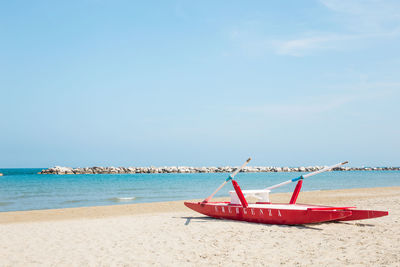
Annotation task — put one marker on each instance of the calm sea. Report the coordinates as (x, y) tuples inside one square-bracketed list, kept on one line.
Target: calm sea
[(24, 189)]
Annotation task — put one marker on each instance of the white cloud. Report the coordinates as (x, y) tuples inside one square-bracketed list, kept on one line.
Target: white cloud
[(315, 106), (357, 23), (366, 15), (302, 46), (326, 41)]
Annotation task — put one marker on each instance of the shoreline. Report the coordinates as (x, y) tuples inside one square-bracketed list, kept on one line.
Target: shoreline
[(324, 197)]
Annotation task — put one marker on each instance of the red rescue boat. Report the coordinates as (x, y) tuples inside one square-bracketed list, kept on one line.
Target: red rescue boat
[(274, 213)]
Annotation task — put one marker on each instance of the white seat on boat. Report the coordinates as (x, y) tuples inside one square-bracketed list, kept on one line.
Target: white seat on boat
[(262, 195)]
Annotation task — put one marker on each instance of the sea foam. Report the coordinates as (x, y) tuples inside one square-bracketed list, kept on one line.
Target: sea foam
[(121, 199)]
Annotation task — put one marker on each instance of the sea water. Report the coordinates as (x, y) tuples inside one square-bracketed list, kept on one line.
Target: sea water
[(24, 189)]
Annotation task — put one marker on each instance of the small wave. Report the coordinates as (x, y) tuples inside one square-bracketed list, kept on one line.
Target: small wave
[(2, 204), (34, 195), (73, 201), (121, 199), (127, 189)]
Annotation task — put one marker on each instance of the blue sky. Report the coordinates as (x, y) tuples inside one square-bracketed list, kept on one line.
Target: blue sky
[(138, 83)]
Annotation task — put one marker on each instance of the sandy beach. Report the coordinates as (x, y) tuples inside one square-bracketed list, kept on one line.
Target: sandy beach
[(169, 234)]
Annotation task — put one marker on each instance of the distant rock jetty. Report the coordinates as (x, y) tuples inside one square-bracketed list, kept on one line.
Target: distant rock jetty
[(182, 169)]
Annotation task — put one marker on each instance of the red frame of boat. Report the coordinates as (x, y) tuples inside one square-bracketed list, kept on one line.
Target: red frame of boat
[(275, 213)]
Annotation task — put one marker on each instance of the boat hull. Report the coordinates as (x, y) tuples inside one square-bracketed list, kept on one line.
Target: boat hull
[(269, 213), (364, 214)]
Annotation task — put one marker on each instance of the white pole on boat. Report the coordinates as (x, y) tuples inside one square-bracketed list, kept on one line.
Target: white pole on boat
[(227, 180), (306, 175)]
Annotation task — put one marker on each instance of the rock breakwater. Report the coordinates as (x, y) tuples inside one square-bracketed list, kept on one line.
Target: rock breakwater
[(183, 169)]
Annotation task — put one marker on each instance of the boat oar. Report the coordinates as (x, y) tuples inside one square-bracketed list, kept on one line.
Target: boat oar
[(227, 180), (306, 175)]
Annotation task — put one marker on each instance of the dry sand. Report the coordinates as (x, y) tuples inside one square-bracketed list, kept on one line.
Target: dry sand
[(169, 234)]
